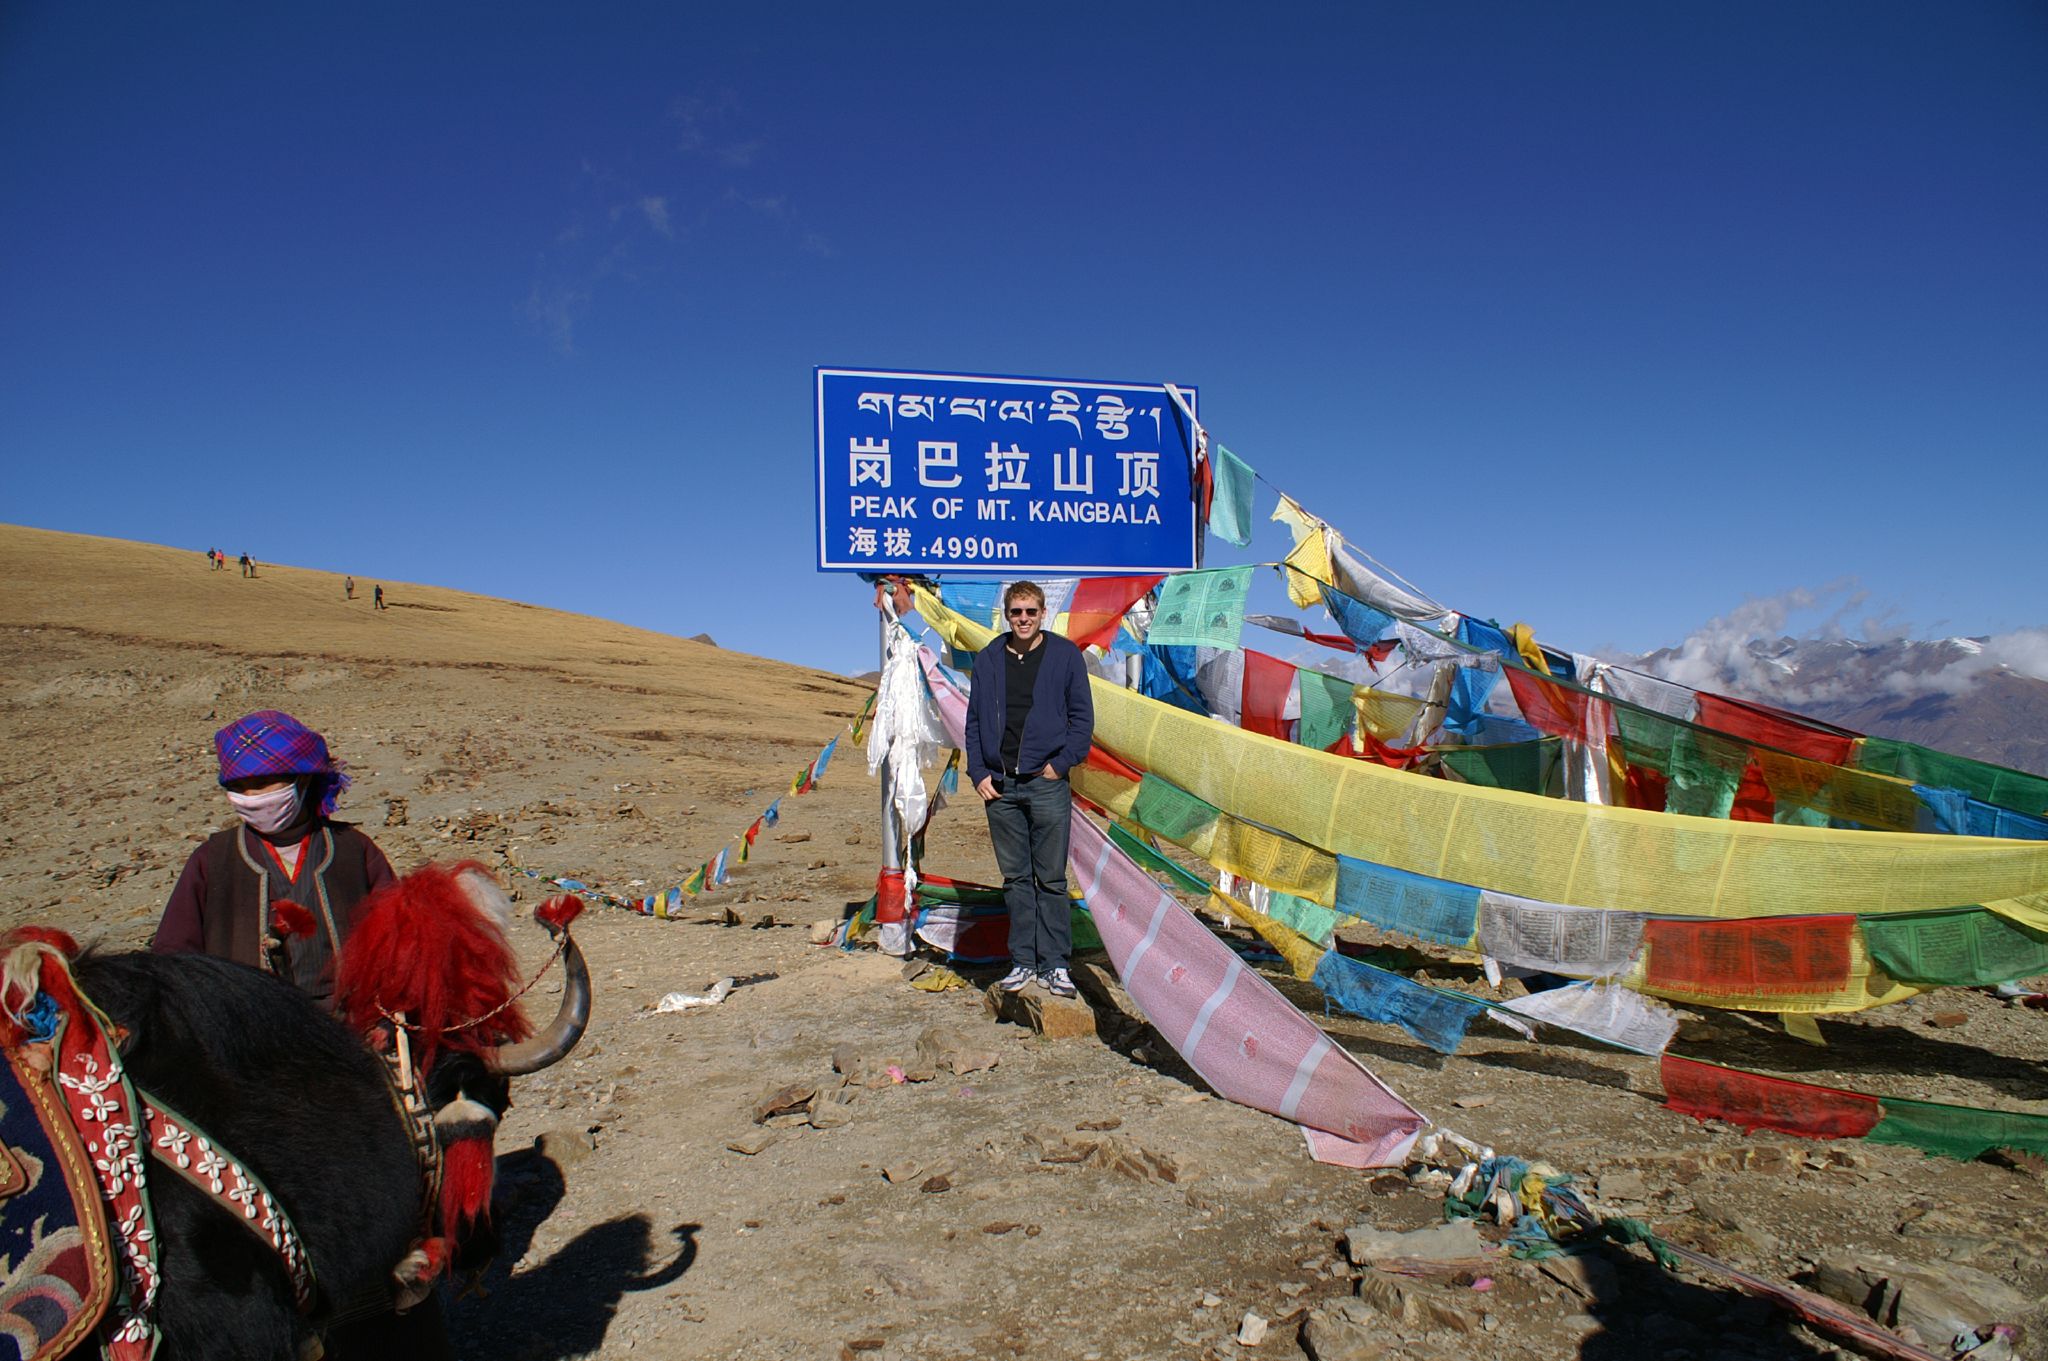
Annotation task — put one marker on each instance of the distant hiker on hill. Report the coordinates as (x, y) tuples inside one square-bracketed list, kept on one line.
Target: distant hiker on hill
[(348, 587), (1029, 721), (283, 845), (248, 566), (380, 597)]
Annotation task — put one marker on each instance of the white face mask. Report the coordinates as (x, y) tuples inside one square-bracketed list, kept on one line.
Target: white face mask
[(267, 813)]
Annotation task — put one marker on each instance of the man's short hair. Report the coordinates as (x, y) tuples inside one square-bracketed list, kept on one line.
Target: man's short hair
[(1017, 588)]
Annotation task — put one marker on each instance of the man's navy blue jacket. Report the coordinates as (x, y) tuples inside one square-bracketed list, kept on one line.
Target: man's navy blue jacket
[(1061, 721)]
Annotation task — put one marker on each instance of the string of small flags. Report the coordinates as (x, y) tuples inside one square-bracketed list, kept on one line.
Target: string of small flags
[(717, 871)]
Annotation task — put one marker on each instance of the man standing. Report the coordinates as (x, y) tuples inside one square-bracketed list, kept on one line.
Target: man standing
[(1029, 720)]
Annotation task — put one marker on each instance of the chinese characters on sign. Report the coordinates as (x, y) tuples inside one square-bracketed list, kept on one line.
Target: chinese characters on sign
[(923, 472)]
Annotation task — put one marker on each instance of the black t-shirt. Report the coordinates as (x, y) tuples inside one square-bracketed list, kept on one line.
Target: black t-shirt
[(1020, 675)]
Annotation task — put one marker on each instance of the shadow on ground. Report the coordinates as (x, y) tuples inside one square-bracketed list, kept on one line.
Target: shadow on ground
[(1646, 1311), (563, 1306)]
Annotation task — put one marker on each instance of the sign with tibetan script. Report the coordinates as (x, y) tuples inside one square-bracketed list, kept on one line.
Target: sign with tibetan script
[(959, 473)]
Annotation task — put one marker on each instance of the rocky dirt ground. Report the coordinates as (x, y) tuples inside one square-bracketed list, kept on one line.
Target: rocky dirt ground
[(1076, 1199)]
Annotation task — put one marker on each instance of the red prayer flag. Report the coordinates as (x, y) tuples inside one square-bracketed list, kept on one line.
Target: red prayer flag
[(1267, 683), (1100, 604), (1370, 748), (1757, 957), (1754, 801), (1775, 728), (1109, 764), (1708, 1091), (1553, 709), (1647, 788)]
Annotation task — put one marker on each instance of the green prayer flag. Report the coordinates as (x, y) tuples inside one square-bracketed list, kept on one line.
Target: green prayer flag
[(1310, 919), (1963, 1132), (1201, 609), (1521, 766), (1152, 860), (1325, 708), (1969, 947), (1230, 509), (2014, 789), (1171, 811)]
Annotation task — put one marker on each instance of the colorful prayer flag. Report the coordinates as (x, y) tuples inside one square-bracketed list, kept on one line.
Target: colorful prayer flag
[(1230, 507), (1201, 609), (1100, 604)]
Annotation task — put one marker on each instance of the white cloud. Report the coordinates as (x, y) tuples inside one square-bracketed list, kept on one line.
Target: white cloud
[(1718, 655), (556, 310), (654, 207)]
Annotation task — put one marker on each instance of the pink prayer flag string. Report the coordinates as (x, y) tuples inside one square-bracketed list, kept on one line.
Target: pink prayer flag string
[(1233, 1027)]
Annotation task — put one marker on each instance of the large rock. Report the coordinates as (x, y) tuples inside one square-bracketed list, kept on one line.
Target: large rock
[(942, 1046), (1056, 1018), (1936, 1302), (1448, 1242), (1415, 1306), (1346, 1330)]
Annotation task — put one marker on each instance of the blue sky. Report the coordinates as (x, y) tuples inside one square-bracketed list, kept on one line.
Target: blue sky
[(1606, 317)]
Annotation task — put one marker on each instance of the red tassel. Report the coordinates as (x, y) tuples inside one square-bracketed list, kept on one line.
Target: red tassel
[(559, 910), (465, 1185), (288, 918)]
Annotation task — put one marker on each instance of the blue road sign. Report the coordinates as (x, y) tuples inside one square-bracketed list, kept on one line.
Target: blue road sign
[(960, 473)]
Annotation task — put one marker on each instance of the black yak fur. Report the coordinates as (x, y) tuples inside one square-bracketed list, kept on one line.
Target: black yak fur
[(286, 1088)]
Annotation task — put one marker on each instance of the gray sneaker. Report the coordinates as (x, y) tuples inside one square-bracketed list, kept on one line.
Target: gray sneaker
[(1016, 980), (1058, 982)]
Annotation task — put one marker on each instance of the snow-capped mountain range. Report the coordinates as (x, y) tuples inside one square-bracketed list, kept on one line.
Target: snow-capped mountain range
[(1976, 697)]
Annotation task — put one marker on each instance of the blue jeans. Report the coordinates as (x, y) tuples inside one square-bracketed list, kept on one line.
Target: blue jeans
[(1028, 822)]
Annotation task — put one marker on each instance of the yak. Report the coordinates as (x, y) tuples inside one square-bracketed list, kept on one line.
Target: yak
[(300, 1098)]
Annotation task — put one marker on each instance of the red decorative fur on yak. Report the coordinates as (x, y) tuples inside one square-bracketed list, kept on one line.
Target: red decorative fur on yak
[(22, 975), (432, 945)]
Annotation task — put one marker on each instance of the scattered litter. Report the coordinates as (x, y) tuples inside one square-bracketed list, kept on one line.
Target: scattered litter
[(938, 979), (684, 1001)]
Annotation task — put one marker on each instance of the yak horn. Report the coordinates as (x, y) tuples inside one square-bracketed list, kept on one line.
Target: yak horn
[(553, 1044)]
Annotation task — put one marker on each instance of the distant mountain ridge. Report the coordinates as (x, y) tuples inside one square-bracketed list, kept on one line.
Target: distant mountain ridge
[(1945, 693)]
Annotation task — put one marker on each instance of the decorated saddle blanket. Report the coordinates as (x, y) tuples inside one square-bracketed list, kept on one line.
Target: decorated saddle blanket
[(57, 1272), (79, 1243)]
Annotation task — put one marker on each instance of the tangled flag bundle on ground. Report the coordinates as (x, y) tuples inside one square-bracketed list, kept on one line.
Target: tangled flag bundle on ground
[(718, 869)]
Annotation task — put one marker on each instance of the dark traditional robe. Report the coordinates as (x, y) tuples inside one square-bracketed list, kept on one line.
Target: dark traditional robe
[(221, 905)]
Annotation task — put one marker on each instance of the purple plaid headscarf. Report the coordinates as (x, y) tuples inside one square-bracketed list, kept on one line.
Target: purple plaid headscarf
[(269, 742)]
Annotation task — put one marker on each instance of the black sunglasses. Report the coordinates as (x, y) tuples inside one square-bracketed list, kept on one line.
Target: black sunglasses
[(1022, 613)]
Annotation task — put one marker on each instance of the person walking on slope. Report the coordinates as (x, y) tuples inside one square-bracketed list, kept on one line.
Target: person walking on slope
[(380, 597), (1029, 722), (283, 844), (348, 588)]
